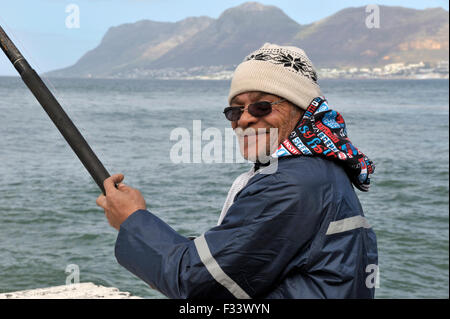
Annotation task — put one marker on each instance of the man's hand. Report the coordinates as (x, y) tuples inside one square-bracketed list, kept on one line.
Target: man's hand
[(120, 202)]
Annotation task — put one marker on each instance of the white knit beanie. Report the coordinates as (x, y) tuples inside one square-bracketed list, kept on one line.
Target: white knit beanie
[(285, 71)]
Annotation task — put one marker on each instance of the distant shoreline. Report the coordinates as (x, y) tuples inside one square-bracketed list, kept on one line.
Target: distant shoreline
[(228, 79)]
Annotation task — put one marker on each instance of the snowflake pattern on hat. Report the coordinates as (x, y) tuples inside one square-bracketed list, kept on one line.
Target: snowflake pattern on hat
[(294, 62)]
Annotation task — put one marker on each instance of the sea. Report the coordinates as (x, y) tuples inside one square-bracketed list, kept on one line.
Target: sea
[(53, 233)]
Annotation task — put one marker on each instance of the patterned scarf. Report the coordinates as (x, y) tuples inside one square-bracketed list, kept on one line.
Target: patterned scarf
[(321, 132)]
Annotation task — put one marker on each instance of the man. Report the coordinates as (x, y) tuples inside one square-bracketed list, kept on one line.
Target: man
[(296, 231)]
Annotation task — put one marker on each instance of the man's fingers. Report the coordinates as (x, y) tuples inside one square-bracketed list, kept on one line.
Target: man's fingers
[(101, 201), (110, 182), (122, 187)]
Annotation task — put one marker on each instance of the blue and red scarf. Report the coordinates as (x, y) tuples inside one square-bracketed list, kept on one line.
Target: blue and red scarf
[(322, 132)]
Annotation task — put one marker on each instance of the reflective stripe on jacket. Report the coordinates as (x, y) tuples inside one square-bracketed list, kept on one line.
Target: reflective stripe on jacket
[(297, 233)]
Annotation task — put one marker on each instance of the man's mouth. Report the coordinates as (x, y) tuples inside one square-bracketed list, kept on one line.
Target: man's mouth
[(250, 132)]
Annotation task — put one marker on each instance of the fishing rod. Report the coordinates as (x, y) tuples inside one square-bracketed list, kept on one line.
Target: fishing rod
[(54, 110)]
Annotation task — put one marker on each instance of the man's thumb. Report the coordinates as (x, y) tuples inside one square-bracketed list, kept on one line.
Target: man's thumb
[(111, 182)]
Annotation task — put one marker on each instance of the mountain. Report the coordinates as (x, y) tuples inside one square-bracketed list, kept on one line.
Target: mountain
[(237, 32), (405, 35), (134, 45), (202, 43)]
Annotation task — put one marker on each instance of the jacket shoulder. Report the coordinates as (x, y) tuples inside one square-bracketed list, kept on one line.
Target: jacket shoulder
[(308, 173)]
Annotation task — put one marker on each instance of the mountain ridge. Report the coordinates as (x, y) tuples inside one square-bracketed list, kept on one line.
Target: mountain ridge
[(339, 40)]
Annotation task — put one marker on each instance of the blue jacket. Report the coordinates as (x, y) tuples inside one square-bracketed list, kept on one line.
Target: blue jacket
[(297, 233)]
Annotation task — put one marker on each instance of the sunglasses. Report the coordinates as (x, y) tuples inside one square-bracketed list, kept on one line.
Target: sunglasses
[(258, 109)]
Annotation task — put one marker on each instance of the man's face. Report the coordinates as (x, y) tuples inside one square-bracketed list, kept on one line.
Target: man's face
[(260, 136)]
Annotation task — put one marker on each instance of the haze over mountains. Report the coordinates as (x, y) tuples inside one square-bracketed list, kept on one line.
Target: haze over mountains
[(199, 44)]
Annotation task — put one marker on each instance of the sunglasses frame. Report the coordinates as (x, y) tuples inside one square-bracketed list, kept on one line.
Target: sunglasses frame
[(242, 108)]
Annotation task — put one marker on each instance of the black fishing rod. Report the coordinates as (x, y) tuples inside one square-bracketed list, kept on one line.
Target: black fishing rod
[(55, 111)]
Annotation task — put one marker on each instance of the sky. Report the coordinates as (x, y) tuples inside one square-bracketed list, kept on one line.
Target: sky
[(50, 37)]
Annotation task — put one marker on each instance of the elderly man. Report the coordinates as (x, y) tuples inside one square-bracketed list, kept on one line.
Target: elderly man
[(290, 228)]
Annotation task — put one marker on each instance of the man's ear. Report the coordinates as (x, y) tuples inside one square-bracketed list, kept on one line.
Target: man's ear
[(302, 111), (296, 112)]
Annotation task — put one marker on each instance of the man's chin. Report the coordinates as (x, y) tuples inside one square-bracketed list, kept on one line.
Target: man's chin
[(257, 148), (256, 158)]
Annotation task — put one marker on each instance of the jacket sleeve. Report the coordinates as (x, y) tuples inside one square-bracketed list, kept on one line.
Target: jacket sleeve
[(272, 220)]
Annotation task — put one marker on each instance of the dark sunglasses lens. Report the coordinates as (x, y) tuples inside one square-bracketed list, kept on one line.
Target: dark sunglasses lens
[(260, 109), (233, 113)]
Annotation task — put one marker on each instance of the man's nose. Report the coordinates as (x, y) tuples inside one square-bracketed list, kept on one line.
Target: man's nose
[(246, 120)]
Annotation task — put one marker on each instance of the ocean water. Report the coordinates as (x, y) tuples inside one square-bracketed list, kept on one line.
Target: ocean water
[(48, 215)]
